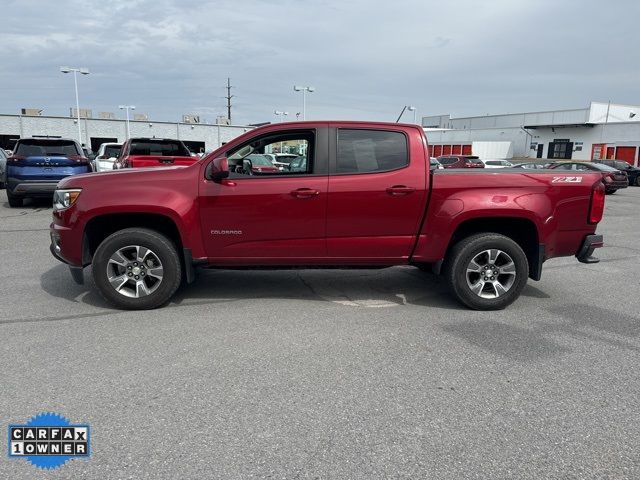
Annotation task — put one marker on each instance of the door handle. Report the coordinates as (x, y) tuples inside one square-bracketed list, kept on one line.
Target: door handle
[(400, 190), (305, 193)]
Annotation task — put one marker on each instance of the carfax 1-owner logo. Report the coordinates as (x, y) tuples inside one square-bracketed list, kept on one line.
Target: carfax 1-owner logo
[(48, 440)]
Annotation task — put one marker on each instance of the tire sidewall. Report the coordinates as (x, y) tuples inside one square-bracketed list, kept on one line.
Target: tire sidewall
[(472, 247), (160, 245)]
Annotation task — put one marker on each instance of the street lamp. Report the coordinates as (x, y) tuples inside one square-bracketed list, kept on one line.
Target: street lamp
[(304, 91), (83, 71), (280, 114), (415, 112), (127, 108)]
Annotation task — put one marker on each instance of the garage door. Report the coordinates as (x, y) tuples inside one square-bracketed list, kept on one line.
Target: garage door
[(628, 154)]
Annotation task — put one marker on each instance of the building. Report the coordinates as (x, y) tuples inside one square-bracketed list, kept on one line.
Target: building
[(199, 137), (602, 130)]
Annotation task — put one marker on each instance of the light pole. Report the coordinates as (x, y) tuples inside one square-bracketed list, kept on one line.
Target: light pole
[(304, 91), (83, 71), (415, 112), (127, 108), (280, 115)]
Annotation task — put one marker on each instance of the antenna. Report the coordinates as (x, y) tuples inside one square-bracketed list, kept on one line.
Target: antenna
[(229, 97)]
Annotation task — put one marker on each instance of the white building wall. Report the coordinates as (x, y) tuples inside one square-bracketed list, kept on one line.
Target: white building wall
[(212, 135)]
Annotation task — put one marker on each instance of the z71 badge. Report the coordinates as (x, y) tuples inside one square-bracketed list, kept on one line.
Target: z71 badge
[(566, 180)]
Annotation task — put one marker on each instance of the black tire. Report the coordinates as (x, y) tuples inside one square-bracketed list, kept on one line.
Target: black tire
[(14, 201), (459, 259), (638, 181), (611, 191), (160, 245)]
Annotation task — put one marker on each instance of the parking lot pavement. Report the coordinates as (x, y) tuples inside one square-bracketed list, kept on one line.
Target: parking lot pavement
[(330, 374)]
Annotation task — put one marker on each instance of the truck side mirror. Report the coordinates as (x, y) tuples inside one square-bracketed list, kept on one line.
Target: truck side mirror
[(217, 169)]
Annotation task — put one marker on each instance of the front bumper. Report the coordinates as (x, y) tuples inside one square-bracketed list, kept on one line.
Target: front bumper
[(56, 250), (591, 242)]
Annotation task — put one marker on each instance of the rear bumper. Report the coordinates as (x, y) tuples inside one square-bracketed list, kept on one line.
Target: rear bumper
[(33, 188), (590, 243)]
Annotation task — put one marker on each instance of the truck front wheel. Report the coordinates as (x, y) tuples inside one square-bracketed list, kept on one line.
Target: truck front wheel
[(486, 271), (137, 269)]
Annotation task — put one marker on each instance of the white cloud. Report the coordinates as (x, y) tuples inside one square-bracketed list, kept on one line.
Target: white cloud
[(366, 58)]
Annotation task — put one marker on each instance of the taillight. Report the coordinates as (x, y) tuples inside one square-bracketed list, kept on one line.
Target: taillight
[(596, 207), (78, 158), (15, 159)]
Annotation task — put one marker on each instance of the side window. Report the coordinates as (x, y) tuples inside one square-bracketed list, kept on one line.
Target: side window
[(580, 167), (368, 151), (284, 153)]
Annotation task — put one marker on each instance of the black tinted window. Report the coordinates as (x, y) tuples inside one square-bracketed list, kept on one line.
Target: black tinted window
[(447, 160), (46, 148), (361, 151), (162, 148), (111, 151)]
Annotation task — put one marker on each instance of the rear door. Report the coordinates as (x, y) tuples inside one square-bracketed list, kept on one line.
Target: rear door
[(277, 217), (377, 193)]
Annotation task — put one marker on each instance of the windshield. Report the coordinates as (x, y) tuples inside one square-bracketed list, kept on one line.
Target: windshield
[(47, 148), (260, 160), (605, 168)]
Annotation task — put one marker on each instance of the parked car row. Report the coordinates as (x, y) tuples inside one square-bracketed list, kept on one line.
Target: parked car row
[(38, 163)]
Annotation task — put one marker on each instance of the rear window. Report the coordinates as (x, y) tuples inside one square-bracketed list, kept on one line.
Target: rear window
[(160, 148), (111, 151), (46, 148), (472, 159), (447, 160), (368, 151)]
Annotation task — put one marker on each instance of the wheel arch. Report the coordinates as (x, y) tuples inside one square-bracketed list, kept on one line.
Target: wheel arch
[(100, 227), (521, 230)]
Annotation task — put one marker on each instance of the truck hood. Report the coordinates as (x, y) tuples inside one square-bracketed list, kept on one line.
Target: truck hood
[(113, 178)]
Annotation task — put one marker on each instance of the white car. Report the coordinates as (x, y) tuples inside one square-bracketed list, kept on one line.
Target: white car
[(497, 164), (106, 157)]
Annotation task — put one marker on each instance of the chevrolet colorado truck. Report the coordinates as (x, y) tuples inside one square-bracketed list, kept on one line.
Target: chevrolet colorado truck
[(365, 197)]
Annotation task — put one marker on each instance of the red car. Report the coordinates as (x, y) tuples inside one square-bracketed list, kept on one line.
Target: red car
[(153, 152), (460, 161), (256, 164), (613, 178), (363, 197)]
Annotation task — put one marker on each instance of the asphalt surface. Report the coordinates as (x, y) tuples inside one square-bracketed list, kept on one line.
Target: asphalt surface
[(329, 374)]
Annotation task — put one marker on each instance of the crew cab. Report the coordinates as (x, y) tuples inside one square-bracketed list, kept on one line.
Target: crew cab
[(38, 163), (153, 152), (364, 197)]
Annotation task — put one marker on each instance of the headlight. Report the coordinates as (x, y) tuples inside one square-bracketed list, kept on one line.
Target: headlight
[(65, 198)]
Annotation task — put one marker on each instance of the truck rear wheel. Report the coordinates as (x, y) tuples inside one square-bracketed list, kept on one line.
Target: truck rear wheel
[(137, 269), (486, 271)]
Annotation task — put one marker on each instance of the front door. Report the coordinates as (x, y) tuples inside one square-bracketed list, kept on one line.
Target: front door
[(377, 194), (540, 150), (263, 215)]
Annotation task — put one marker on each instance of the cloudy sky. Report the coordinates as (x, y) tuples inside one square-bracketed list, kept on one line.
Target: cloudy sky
[(367, 59)]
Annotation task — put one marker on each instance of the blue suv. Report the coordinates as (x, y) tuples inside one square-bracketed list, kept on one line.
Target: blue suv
[(38, 164)]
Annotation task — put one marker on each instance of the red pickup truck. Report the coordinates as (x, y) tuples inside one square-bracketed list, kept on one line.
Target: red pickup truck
[(153, 152), (366, 197)]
